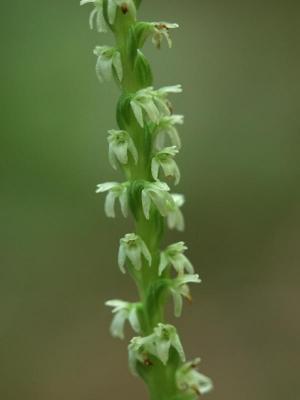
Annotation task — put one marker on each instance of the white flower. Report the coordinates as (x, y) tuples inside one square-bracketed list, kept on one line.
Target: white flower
[(115, 191), (158, 345), (152, 102), (165, 159), (133, 248), (109, 60), (179, 289), (112, 5), (166, 127), (189, 380), (160, 30), (156, 193), (123, 311), (175, 217), (120, 144), (96, 13), (173, 255)]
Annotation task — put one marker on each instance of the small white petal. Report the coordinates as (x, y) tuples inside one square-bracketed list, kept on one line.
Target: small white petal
[(137, 110), (122, 258)]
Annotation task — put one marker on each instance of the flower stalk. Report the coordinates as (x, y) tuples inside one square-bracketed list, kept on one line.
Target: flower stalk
[(144, 146)]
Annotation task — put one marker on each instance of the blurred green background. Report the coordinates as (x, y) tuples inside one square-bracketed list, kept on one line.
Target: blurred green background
[(239, 64)]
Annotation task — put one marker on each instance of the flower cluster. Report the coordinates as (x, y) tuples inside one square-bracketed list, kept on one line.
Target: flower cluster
[(145, 147), (158, 344)]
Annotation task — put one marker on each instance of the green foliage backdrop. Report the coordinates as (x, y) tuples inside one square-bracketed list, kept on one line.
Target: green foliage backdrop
[(239, 64)]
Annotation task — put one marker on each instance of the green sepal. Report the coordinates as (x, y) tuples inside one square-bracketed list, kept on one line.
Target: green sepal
[(142, 70), (125, 117), (135, 192), (154, 298)]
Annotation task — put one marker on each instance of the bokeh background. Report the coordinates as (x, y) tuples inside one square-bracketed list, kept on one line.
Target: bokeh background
[(239, 64)]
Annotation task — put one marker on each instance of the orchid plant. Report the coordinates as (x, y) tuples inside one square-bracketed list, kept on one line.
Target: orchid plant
[(144, 147)]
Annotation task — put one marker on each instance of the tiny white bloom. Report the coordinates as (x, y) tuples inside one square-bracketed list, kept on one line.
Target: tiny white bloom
[(115, 191), (179, 289), (190, 381), (152, 102), (96, 13), (165, 159), (120, 144), (109, 60), (123, 311), (134, 248), (156, 193), (161, 30), (173, 255), (158, 344), (175, 217), (166, 128)]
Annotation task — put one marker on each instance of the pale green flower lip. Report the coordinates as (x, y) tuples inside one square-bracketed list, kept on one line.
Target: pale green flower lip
[(189, 380), (123, 311), (132, 247), (120, 145)]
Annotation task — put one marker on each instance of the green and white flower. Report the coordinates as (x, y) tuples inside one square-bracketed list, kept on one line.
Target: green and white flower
[(127, 6), (115, 191), (152, 104), (161, 31), (120, 144), (156, 193), (175, 217), (179, 289), (109, 60), (166, 128), (164, 159), (132, 247), (173, 255), (123, 311), (190, 381), (158, 345), (97, 14)]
